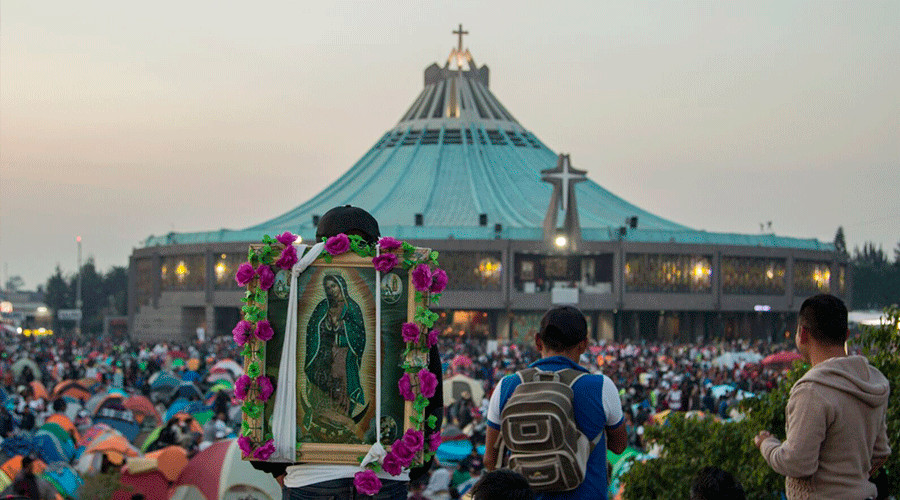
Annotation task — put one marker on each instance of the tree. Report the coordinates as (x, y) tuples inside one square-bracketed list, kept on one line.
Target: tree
[(93, 300), (840, 243), (58, 295), (14, 283), (115, 289)]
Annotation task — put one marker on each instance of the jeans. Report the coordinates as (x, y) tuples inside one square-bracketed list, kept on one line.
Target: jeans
[(342, 489)]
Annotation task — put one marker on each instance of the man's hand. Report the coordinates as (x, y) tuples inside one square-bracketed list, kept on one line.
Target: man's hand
[(762, 436)]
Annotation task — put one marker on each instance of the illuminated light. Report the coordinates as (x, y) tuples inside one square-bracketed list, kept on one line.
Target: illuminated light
[(181, 271), (78, 239), (41, 310), (489, 268), (822, 277), (770, 273), (561, 241), (223, 256), (221, 269), (700, 271), (163, 271), (6, 307), (299, 240), (762, 308)]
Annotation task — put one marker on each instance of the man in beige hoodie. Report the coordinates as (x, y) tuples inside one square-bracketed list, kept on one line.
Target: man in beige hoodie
[(835, 417)]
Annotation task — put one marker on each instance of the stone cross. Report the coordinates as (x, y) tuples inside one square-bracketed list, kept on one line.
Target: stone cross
[(460, 32)]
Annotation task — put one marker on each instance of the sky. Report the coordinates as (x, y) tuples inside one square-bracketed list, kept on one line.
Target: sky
[(119, 120)]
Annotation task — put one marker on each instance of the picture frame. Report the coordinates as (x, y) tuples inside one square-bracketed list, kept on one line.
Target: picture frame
[(342, 388)]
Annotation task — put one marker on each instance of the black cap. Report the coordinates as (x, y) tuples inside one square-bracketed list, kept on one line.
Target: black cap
[(563, 327), (348, 220)]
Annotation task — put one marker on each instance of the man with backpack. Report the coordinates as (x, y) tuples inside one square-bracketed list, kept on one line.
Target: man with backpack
[(553, 422)]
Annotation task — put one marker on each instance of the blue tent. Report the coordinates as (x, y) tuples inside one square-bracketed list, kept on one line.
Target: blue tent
[(51, 448), (64, 478)]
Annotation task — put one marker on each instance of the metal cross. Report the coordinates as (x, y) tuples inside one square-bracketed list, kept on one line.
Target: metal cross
[(566, 176), (460, 32)]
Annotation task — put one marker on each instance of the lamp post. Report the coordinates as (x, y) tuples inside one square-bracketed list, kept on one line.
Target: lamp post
[(78, 289)]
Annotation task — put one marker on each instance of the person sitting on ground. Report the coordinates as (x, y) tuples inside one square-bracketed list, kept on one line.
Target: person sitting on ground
[(713, 483), (502, 484)]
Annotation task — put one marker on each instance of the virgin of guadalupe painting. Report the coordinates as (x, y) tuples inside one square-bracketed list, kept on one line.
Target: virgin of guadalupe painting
[(335, 343)]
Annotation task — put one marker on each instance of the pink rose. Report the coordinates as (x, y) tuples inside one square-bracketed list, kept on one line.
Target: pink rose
[(388, 243), (264, 330), (241, 332), (266, 277), (245, 445), (421, 277), (414, 439), (337, 245), (433, 336), (434, 441), (240, 386), (265, 451), (438, 281), (410, 332), (427, 382), (405, 386), (403, 453), (265, 387), (244, 274), (366, 482), (391, 465), (288, 258), (286, 238), (385, 262)]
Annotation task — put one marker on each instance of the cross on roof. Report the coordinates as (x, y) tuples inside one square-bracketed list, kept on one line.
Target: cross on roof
[(565, 177), (460, 32)]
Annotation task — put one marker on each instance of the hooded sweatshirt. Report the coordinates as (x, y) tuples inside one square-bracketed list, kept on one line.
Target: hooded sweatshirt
[(836, 429)]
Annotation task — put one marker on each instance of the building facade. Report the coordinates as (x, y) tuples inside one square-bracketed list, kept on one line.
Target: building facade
[(518, 229)]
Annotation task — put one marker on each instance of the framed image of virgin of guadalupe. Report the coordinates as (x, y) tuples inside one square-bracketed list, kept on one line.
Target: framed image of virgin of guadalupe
[(338, 375)]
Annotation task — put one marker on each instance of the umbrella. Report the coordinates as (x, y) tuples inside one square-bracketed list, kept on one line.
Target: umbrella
[(20, 365), (455, 385), (781, 358), (461, 360), (219, 472), (230, 365)]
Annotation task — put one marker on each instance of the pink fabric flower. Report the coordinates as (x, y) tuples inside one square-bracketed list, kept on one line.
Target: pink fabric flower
[(414, 440), (434, 441), (266, 277), (288, 258), (410, 332), (265, 451), (438, 281), (241, 332), (245, 445), (405, 386), (391, 465), (421, 277), (388, 243), (265, 387), (433, 338), (427, 382), (286, 238), (240, 386), (244, 274), (337, 245), (264, 330), (403, 453), (385, 262), (367, 482)]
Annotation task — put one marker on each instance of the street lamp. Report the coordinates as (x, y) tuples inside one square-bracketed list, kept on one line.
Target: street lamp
[(561, 241), (78, 289)]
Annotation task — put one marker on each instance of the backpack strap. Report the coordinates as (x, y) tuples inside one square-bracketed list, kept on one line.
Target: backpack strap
[(527, 375)]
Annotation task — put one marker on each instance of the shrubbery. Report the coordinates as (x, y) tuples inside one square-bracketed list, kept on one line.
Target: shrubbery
[(691, 444)]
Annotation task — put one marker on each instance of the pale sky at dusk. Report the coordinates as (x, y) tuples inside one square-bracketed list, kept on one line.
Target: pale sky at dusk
[(119, 120)]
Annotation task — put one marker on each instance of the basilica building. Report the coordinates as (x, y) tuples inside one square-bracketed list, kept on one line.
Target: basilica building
[(519, 228)]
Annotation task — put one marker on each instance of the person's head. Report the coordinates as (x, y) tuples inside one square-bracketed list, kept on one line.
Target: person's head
[(59, 405), (563, 330), (502, 484), (823, 320), (348, 220), (27, 461), (712, 483)]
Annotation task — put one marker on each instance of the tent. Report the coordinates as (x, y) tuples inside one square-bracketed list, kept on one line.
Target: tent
[(39, 391), (187, 390), (113, 413), (71, 388), (112, 445), (64, 478), (163, 381), (65, 422), (53, 444), (152, 484), (219, 473), (783, 358), (12, 467), (730, 359), (20, 365), (230, 365), (142, 408), (455, 385)]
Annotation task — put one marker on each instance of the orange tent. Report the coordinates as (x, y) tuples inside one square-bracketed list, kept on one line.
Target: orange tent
[(142, 407), (170, 461), (14, 465), (67, 425), (39, 390), (71, 388)]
